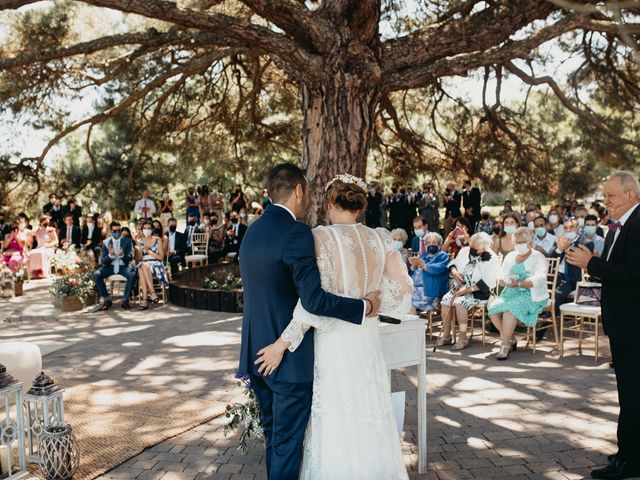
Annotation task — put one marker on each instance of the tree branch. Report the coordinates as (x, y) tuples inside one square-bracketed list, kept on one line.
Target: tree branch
[(546, 80), (247, 34), (198, 65)]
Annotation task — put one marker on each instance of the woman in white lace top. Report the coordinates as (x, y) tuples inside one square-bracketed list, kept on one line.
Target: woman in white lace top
[(352, 432)]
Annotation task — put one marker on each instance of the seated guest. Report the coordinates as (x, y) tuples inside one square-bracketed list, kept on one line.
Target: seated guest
[(568, 275), (476, 271), (399, 238), (525, 277), (115, 259), (40, 257), (504, 244), (235, 234), (177, 246), (192, 227), (430, 274), (555, 225), (543, 241), (150, 267), (420, 228), (14, 247), (244, 216), (158, 231), (581, 216), (91, 237), (590, 234), (529, 219), (70, 234), (484, 224), (458, 238)]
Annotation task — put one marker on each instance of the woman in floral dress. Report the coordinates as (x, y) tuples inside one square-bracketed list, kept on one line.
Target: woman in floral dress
[(525, 295)]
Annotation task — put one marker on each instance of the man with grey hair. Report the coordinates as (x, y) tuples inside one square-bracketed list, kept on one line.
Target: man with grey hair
[(619, 271)]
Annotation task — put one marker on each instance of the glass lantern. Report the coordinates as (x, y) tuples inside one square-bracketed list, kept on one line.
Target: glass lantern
[(45, 407), (12, 454)]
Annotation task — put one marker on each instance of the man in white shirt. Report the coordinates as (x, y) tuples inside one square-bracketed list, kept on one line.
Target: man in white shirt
[(543, 241), (145, 207)]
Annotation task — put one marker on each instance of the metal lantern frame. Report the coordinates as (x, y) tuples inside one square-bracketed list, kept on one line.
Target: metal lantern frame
[(11, 427), (44, 408)]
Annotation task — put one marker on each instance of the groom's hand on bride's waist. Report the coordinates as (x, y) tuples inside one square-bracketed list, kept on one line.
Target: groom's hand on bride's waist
[(372, 300)]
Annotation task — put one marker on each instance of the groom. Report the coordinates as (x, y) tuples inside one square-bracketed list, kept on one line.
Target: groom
[(278, 267)]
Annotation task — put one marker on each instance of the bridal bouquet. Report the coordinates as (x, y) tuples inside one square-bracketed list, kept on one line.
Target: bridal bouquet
[(246, 416)]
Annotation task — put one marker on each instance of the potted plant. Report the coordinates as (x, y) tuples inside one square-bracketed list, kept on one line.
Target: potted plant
[(71, 292), (19, 277), (66, 261)]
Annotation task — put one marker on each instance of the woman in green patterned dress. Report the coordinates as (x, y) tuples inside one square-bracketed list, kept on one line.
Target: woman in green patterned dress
[(525, 295)]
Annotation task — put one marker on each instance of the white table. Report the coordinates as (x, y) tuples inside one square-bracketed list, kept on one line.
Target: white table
[(403, 346)]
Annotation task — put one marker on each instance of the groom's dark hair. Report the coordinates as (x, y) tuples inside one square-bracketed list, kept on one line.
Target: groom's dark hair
[(282, 181)]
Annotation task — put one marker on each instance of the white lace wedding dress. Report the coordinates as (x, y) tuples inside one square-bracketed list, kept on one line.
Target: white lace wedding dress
[(352, 431)]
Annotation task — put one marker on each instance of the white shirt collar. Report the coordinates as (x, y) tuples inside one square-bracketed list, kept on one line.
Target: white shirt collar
[(287, 209), (625, 217)]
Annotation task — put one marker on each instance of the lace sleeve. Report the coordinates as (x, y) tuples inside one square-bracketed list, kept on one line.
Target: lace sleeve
[(396, 288), (300, 324)]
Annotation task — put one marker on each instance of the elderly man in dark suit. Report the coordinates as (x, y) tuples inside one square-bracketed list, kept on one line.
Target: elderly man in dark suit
[(619, 271)]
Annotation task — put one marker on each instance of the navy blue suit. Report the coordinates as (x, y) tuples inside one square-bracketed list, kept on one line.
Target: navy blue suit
[(106, 268), (278, 267)]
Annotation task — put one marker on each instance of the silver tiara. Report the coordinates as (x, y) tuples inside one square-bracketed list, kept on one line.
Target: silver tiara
[(347, 178)]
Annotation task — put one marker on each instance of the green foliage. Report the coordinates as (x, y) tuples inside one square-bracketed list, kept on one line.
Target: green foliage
[(246, 416), (79, 285), (231, 282)]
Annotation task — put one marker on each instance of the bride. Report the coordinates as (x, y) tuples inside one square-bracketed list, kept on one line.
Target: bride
[(352, 432)]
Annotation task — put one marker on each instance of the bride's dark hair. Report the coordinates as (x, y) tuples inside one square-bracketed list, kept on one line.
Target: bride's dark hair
[(347, 196)]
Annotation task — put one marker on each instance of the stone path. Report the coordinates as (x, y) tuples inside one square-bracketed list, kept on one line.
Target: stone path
[(532, 417)]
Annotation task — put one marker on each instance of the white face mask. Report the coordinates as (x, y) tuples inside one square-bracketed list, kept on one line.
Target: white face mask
[(397, 244), (522, 248), (553, 218), (419, 232), (531, 225), (165, 195), (581, 222), (146, 232), (509, 229), (570, 235)]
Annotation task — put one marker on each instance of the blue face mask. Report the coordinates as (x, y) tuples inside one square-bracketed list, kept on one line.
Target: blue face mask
[(433, 249), (419, 232), (590, 230), (541, 232), (571, 236), (116, 235), (397, 244)]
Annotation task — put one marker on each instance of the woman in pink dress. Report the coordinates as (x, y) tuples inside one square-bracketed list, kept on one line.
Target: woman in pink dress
[(13, 249), (40, 258)]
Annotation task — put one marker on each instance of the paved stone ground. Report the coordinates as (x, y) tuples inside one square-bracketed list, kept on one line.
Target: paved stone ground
[(532, 417)]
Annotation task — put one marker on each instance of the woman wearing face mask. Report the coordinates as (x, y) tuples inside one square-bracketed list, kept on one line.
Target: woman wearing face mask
[(430, 274), (244, 216), (399, 238), (458, 238), (475, 270), (13, 253), (503, 242), (40, 257), (165, 207), (525, 278), (555, 226), (485, 224), (151, 266)]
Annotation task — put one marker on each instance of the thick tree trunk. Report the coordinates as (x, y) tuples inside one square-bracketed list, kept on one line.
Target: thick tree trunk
[(338, 121)]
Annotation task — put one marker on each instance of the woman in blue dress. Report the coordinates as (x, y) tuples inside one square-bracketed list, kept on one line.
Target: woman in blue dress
[(525, 277), (430, 274), (151, 267)]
